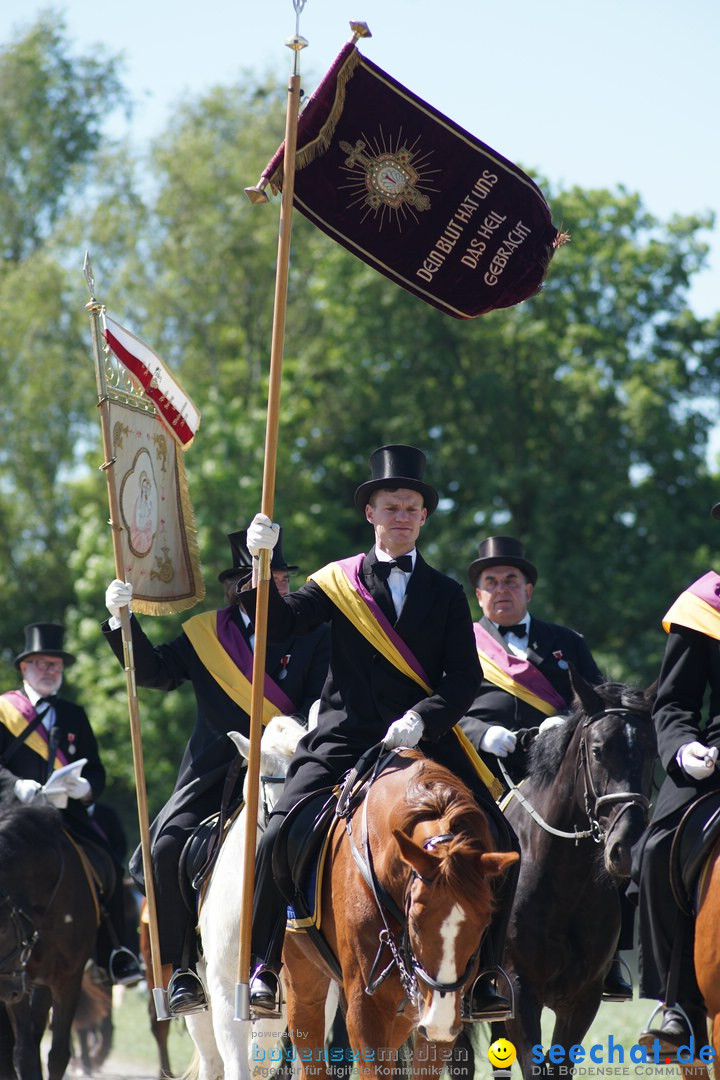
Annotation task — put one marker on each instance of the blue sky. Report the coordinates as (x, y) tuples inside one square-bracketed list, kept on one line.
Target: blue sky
[(597, 94)]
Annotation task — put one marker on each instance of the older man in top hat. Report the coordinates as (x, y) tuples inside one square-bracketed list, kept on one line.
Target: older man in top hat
[(366, 698), (526, 679), (40, 732), (525, 660), (214, 654)]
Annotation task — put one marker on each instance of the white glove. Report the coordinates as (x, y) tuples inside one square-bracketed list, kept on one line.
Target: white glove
[(498, 740), (262, 535), (550, 722), (57, 798), (118, 595), (78, 787), (26, 790), (696, 760), (407, 731)]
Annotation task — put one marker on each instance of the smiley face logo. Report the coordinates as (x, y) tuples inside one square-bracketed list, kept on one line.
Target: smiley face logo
[(501, 1054)]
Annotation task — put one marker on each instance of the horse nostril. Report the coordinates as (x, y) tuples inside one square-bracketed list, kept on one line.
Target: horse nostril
[(422, 1030)]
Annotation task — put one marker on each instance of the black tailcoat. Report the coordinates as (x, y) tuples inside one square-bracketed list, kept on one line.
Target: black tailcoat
[(550, 648), (364, 692), (209, 752), (76, 732)]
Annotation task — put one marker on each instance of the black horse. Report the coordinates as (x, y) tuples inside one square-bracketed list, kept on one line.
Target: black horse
[(48, 925), (577, 815)]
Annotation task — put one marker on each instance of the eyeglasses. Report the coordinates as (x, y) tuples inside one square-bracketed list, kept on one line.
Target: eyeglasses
[(50, 667)]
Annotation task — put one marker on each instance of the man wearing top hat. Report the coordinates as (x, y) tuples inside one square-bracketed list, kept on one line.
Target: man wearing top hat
[(411, 611), (41, 732), (525, 660), (214, 654), (526, 679)]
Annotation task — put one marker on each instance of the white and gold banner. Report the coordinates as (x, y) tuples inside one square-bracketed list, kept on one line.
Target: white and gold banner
[(159, 544)]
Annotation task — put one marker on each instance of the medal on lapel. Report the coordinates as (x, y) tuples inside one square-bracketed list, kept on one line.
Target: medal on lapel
[(559, 657), (72, 748)]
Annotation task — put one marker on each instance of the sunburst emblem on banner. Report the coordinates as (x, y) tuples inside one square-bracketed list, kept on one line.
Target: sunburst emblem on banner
[(388, 181)]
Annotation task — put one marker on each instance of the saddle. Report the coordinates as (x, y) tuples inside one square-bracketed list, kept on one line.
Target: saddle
[(199, 855), (694, 840), (301, 845)]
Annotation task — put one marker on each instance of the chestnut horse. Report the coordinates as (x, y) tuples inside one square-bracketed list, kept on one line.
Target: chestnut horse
[(48, 924), (707, 943), (577, 815), (406, 930)]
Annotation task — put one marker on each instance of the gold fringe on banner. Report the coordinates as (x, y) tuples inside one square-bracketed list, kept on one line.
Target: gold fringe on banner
[(321, 143)]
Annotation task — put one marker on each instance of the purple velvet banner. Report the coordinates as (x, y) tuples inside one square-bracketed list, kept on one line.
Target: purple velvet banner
[(416, 196)]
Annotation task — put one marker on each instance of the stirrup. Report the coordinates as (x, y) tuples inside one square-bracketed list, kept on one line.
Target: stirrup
[(609, 996), (135, 975), (273, 1012), (469, 1016), (662, 1007)]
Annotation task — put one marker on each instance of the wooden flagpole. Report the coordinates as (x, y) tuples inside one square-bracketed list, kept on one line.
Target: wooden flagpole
[(296, 43), (108, 467)]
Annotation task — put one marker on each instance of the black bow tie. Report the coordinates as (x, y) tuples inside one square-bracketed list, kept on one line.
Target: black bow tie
[(518, 629), (382, 569)]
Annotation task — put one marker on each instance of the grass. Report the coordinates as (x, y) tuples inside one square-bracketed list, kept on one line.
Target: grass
[(133, 1043)]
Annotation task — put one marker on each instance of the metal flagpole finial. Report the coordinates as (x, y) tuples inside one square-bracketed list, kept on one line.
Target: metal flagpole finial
[(89, 276), (360, 30), (297, 42)]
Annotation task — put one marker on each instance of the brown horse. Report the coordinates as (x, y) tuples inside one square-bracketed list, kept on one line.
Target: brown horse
[(707, 943), (48, 924), (406, 931)]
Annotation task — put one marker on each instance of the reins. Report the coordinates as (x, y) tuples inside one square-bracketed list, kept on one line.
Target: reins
[(402, 955), (26, 935), (596, 831)]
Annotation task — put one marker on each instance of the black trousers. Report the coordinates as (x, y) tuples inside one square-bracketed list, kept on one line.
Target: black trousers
[(661, 922)]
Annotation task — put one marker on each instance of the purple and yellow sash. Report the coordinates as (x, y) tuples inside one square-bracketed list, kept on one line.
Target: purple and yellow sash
[(698, 607), (341, 581), (16, 713), (516, 676), (224, 652)]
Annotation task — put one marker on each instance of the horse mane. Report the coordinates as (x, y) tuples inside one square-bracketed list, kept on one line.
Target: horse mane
[(435, 793), (25, 829), (547, 752)]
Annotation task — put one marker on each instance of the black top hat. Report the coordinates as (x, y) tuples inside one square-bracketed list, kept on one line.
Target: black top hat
[(397, 467), (46, 638), (242, 559), (501, 551)]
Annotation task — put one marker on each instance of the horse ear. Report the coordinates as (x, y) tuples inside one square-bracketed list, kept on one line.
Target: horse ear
[(584, 693), (422, 861), (497, 862), (242, 744), (650, 692)]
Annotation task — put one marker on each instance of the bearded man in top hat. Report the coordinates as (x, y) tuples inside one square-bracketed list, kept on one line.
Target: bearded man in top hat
[(526, 681), (214, 654), (366, 699), (41, 732)]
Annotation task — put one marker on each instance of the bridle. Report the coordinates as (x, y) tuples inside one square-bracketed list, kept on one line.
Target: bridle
[(267, 781), (26, 936), (402, 954), (592, 801)]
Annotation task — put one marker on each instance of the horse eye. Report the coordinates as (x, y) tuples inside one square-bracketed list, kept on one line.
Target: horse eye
[(596, 753)]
